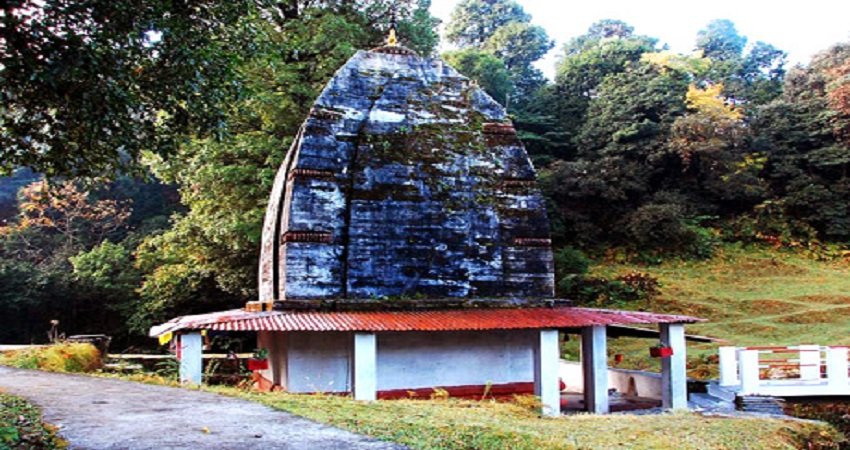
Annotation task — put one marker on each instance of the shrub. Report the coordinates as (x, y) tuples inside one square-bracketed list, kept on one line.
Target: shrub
[(667, 228), (77, 357), (21, 426), (768, 223), (571, 261), (623, 289)]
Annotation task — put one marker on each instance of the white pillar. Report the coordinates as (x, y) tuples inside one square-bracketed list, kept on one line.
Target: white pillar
[(191, 357), (365, 367), (836, 368), (594, 360), (674, 376), (546, 366), (748, 368), (810, 362), (728, 366)]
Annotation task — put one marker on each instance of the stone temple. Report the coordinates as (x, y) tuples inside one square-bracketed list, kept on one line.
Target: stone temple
[(406, 247), (406, 181)]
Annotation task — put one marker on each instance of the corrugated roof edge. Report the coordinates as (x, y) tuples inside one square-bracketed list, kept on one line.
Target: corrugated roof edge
[(428, 320)]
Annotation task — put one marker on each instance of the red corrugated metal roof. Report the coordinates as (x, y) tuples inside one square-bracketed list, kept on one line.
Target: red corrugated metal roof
[(438, 320)]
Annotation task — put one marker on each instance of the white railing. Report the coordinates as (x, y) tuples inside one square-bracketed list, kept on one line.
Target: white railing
[(785, 371)]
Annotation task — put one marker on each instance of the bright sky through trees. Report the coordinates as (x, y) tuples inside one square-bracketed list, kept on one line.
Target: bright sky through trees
[(801, 29)]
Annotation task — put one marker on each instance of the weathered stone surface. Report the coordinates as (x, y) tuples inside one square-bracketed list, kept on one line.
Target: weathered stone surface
[(406, 181)]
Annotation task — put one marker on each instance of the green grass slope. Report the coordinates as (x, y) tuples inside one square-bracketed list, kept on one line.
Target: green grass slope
[(750, 296)]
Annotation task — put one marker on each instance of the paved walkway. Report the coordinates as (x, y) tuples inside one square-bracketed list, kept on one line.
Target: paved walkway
[(106, 414)]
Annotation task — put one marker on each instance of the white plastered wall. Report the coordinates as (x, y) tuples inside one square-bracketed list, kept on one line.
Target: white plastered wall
[(321, 361)]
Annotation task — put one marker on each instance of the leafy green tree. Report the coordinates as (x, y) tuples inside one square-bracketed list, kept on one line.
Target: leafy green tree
[(518, 44), (474, 22), (804, 135), (503, 29), (488, 70), (721, 41), (87, 85), (761, 74), (752, 78), (609, 47)]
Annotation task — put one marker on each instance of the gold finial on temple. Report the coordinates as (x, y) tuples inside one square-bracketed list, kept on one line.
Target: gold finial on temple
[(392, 39)]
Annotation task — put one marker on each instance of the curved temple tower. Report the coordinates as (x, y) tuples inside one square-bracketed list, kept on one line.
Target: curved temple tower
[(406, 247), (405, 181)]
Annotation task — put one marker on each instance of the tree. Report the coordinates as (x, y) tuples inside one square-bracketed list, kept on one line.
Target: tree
[(67, 210), (474, 22), (804, 134), (504, 30), (608, 47), (488, 70), (720, 41), (88, 85), (518, 44), (753, 78)]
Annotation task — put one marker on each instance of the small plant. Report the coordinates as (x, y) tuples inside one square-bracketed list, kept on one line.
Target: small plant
[(21, 426), (261, 353), (530, 403), (168, 368), (604, 292), (644, 285)]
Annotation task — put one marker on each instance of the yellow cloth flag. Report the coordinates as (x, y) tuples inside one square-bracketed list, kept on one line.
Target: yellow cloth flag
[(165, 338)]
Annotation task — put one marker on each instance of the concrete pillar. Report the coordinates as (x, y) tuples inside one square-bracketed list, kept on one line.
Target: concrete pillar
[(810, 362), (674, 376), (191, 357), (546, 366), (365, 367), (836, 368), (748, 369), (594, 361), (728, 366)]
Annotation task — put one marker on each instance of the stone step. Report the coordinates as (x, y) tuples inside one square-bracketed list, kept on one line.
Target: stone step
[(721, 392), (760, 404), (708, 402)]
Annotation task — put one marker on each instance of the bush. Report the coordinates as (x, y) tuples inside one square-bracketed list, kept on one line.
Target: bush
[(571, 261), (56, 358), (21, 426), (768, 223), (667, 228), (593, 291)]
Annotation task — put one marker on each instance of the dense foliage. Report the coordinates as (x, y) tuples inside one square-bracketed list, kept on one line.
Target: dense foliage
[(160, 129), (21, 427)]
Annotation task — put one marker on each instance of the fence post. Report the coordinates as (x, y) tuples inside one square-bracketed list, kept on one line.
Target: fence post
[(836, 367), (748, 367), (728, 366), (809, 362)]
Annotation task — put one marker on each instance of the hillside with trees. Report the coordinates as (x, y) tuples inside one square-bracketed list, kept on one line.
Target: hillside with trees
[(139, 146)]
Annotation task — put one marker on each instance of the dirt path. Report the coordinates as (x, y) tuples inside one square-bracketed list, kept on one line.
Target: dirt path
[(98, 414)]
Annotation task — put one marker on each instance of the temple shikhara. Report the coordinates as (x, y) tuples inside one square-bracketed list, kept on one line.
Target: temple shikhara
[(406, 247)]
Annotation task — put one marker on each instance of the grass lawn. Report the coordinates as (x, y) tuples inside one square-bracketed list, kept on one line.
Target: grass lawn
[(21, 426), (456, 424), (751, 296)]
